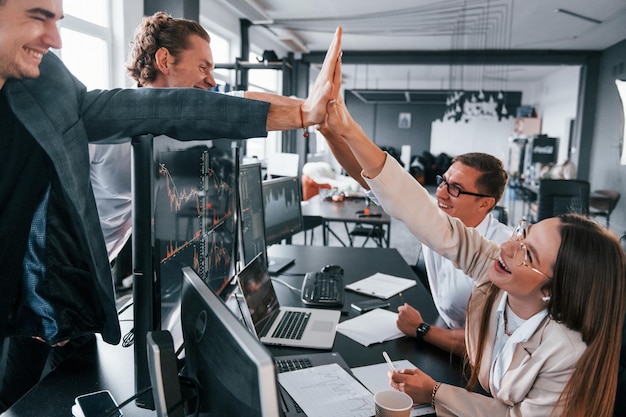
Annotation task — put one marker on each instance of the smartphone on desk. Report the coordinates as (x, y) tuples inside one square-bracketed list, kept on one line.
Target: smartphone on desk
[(96, 404), (368, 305)]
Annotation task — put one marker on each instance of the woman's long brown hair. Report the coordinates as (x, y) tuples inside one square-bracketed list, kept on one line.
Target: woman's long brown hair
[(588, 291)]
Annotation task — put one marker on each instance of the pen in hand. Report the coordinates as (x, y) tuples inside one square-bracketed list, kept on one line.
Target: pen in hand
[(388, 360), (401, 298)]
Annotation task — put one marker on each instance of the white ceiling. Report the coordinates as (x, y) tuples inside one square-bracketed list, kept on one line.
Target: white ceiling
[(440, 25)]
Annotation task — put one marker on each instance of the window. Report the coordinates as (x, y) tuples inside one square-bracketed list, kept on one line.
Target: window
[(87, 36), (269, 81), (220, 47)]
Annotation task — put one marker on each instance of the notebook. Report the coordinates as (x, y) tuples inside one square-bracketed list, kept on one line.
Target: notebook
[(284, 326)]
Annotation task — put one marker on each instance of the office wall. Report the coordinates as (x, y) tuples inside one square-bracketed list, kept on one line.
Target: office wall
[(555, 98), (380, 122), (606, 171)]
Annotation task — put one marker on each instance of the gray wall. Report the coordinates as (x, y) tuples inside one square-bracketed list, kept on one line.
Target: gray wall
[(605, 169), (380, 122)]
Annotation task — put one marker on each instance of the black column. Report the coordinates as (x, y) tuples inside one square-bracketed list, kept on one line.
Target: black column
[(244, 32)]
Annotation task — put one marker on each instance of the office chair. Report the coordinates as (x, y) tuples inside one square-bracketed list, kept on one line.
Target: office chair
[(602, 203), (559, 197)]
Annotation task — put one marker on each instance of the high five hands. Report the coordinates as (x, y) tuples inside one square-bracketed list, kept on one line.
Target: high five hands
[(327, 84)]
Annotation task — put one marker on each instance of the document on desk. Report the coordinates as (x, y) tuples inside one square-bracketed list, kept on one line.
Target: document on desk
[(328, 391), (375, 326), (375, 379), (381, 285)]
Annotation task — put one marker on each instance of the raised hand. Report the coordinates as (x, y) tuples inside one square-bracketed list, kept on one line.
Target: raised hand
[(325, 87)]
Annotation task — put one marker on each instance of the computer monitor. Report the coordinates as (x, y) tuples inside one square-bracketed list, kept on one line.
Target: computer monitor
[(283, 212), (236, 374), (184, 214), (251, 213)]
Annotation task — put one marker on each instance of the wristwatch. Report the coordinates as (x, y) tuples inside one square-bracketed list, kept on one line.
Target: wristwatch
[(421, 330)]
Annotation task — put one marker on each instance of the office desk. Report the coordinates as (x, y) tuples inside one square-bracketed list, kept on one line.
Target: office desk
[(345, 212), (113, 367), (360, 263)]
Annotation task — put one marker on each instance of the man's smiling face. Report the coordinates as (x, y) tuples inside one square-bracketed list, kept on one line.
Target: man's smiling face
[(28, 30)]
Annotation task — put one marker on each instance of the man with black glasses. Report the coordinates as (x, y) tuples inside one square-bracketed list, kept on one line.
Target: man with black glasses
[(468, 190)]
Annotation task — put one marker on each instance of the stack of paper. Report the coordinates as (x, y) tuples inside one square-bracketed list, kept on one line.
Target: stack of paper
[(376, 326)]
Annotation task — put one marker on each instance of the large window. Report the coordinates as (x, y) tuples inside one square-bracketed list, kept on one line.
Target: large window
[(268, 81), (87, 36)]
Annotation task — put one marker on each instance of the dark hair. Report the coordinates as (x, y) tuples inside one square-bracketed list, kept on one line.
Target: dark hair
[(159, 31), (493, 179), (588, 295)]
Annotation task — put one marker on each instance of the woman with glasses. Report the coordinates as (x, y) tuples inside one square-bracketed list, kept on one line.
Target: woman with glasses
[(544, 321)]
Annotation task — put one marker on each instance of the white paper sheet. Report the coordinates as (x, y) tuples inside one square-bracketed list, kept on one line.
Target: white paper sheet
[(328, 391), (381, 285), (375, 326)]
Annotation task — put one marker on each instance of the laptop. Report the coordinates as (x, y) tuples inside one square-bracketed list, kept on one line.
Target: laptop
[(283, 326)]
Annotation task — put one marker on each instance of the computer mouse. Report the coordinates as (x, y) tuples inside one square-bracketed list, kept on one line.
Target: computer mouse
[(333, 269)]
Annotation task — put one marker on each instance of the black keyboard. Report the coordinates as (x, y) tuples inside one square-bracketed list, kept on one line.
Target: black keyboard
[(323, 289)]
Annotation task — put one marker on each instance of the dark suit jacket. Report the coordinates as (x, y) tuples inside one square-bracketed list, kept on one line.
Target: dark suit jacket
[(63, 117)]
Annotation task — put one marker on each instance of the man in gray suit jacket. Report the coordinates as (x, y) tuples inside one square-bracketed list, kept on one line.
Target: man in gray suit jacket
[(56, 282)]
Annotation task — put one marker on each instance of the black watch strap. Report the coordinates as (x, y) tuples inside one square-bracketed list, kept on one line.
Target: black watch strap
[(421, 330)]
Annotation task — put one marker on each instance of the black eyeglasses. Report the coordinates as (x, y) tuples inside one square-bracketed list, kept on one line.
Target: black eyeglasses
[(454, 190)]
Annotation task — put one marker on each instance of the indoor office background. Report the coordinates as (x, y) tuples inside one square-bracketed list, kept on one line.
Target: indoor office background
[(479, 47)]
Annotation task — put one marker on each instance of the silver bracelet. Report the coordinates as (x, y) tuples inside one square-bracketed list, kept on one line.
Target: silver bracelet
[(432, 396)]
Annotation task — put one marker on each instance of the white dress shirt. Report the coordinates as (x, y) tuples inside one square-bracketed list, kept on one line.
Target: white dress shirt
[(504, 345), (111, 181)]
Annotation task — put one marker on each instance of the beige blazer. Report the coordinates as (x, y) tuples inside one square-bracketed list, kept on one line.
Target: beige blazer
[(540, 367)]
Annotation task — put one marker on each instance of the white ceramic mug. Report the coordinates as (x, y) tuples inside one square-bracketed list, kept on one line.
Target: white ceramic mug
[(393, 404)]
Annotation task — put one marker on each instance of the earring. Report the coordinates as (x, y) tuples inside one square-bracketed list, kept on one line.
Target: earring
[(546, 298)]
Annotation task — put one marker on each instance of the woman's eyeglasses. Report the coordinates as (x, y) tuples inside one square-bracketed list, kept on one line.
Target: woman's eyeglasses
[(519, 235), (454, 190)]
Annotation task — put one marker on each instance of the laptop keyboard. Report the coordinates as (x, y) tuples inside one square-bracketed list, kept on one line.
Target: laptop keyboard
[(286, 365), (292, 325)]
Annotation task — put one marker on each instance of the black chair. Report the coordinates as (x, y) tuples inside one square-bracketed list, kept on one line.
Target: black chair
[(374, 232), (602, 203), (558, 197), (420, 269)]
